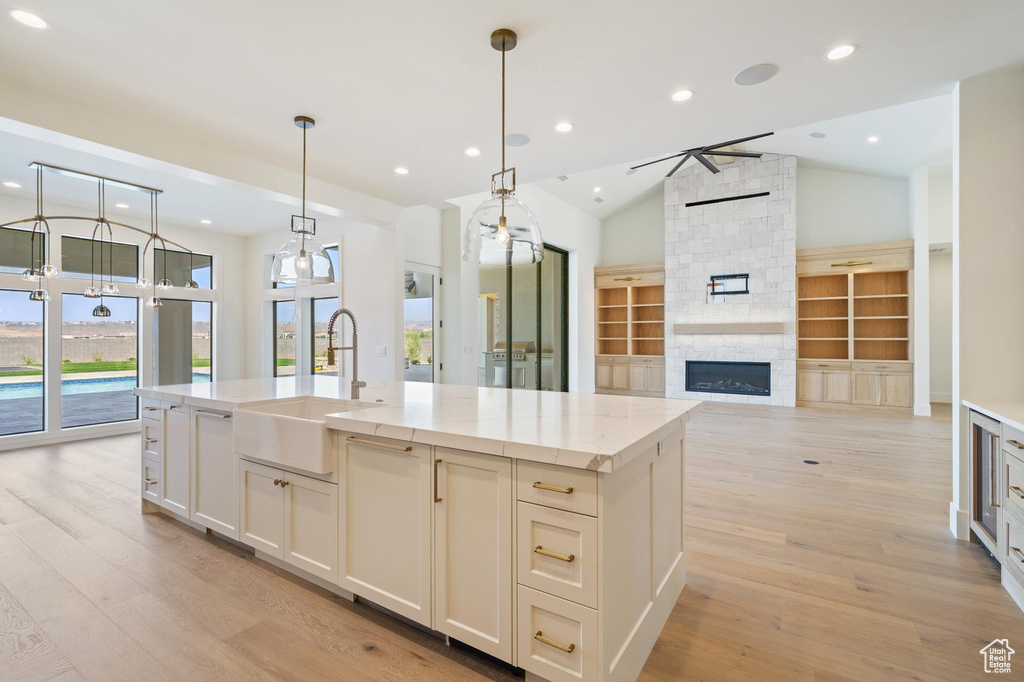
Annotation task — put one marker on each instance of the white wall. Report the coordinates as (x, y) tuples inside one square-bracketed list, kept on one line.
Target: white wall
[(635, 234), (920, 220), (941, 323), (835, 208), (940, 204), (561, 225), (420, 229)]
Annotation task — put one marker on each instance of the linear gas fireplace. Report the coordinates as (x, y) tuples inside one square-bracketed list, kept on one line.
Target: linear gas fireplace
[(743, 378)]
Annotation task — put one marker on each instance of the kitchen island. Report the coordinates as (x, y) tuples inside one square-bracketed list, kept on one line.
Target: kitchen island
[(544, 529)]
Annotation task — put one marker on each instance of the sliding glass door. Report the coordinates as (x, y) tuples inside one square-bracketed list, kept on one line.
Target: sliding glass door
[(536, 355), (21, 363)]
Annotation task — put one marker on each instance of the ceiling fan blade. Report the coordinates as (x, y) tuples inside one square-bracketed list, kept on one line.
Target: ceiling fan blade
[(744, 155), (707, 164), (732, 142), (686, 157), (664, 158)]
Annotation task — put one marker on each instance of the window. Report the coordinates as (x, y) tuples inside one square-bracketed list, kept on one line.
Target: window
[(16, 249), (419, 326), (21, 363), (323, 308), (332, 253), (180, 264), (99, 368), (284, 338), (81, 257), (183, 342)]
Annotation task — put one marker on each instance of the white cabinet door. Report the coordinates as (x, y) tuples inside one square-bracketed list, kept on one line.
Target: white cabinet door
[(175, 461), (473, 550), (214, 472), (311, 525), (384, 529), (261, 507)]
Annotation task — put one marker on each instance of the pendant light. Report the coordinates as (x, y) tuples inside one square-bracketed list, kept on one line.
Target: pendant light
[(191, 283), (302, 259), (39, 270), (503, 230), (144, 283)]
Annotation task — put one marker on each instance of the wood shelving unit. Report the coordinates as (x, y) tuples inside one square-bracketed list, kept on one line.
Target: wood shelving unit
[(823, 330), (630, 303)]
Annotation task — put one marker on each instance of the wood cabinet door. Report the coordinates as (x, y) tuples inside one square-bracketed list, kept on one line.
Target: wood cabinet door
[(638, 378), (835, 387), (620, 377), (311, 525), (175, 462), (897, 390), (808, 385), (384, 529), (214, 472), (603, 375), (473, 550), (656, 378), (261, 508), (866, 388)]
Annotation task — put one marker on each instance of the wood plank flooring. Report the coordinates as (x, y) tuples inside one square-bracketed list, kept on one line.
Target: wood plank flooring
[(839, 571)]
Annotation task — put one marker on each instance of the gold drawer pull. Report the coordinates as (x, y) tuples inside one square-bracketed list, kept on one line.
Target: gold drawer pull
[(555, 555), (151, 409), (150, 481), (851, 263), (1018, 553), (389, 446), (1018, 491), (151, 440), (627, 279), (550, 642), (281, 482), (1016, 443), (552, 488)]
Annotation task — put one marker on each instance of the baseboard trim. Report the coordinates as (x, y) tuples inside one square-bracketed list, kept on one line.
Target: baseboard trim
[(942, 397), (959, 522), (922, 409)]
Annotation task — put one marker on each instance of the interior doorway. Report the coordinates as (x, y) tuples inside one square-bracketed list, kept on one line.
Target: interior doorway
[(422, 338)]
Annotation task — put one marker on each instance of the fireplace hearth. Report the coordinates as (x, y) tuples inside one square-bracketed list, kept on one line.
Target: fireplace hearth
[(737, 378)]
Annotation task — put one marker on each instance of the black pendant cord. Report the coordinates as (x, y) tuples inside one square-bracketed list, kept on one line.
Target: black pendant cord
[(302, 246), (503, 225)]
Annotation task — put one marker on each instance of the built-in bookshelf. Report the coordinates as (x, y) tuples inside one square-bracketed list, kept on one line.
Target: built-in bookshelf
[(630, 327)]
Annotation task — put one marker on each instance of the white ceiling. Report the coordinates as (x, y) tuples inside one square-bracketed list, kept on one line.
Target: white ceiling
[(231, 208), (415, 83), (909, 135)]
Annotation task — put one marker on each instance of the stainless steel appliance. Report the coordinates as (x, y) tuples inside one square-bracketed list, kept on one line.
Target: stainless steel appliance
[(985, 480)]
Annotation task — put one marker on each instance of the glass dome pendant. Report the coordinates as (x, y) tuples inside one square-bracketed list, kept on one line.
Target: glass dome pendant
[(503, 230), (302, 259)]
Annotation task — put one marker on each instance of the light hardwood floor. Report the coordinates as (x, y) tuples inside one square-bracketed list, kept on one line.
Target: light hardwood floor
[(833, 572)]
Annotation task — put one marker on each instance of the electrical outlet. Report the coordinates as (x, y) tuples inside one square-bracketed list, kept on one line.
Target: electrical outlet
[(382, 351)]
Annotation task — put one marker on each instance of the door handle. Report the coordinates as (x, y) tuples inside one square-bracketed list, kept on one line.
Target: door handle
[(437, 497)]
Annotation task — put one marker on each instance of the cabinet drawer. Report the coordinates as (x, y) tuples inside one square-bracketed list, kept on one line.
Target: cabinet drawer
[(151, 484), (152, 430), (901, 367), (557, 552), (557, 640), (1013, 554), (1013, 441), (555, 486), (151, 409), (822, 364), (612, 359), (1014, 477)]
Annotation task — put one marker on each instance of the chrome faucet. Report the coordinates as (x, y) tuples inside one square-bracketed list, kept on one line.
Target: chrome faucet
[(356, 384)]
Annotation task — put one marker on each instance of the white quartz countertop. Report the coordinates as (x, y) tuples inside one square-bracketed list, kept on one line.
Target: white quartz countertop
[(1007, 412), (580, 430)]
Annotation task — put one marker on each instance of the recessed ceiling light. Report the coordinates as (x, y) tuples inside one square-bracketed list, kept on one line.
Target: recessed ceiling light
[(122, 205), (873, 139), (516, 140), (840, 52), (27, 18), (756, 74), (206, 221), (563, 127), (682, 95), (472, 151), (402, 171), (12, 185), (818, 135), (597, 189)]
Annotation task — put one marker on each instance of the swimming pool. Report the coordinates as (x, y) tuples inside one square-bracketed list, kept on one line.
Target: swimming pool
[(34, 389)]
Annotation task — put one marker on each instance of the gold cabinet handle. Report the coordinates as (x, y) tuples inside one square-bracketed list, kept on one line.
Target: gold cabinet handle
[(284, 483), (1019, 554), (1018, 491), (151, 409), (567, 648), (555, 555), (1016, 443), (437, 498), (150, 481), (851, 263), (389, 446), (552, 488)]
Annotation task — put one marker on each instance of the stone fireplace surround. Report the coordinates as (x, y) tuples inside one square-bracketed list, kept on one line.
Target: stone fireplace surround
[(755, 236)]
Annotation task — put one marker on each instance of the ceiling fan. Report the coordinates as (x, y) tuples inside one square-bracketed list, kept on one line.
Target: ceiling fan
[(700, 153)]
